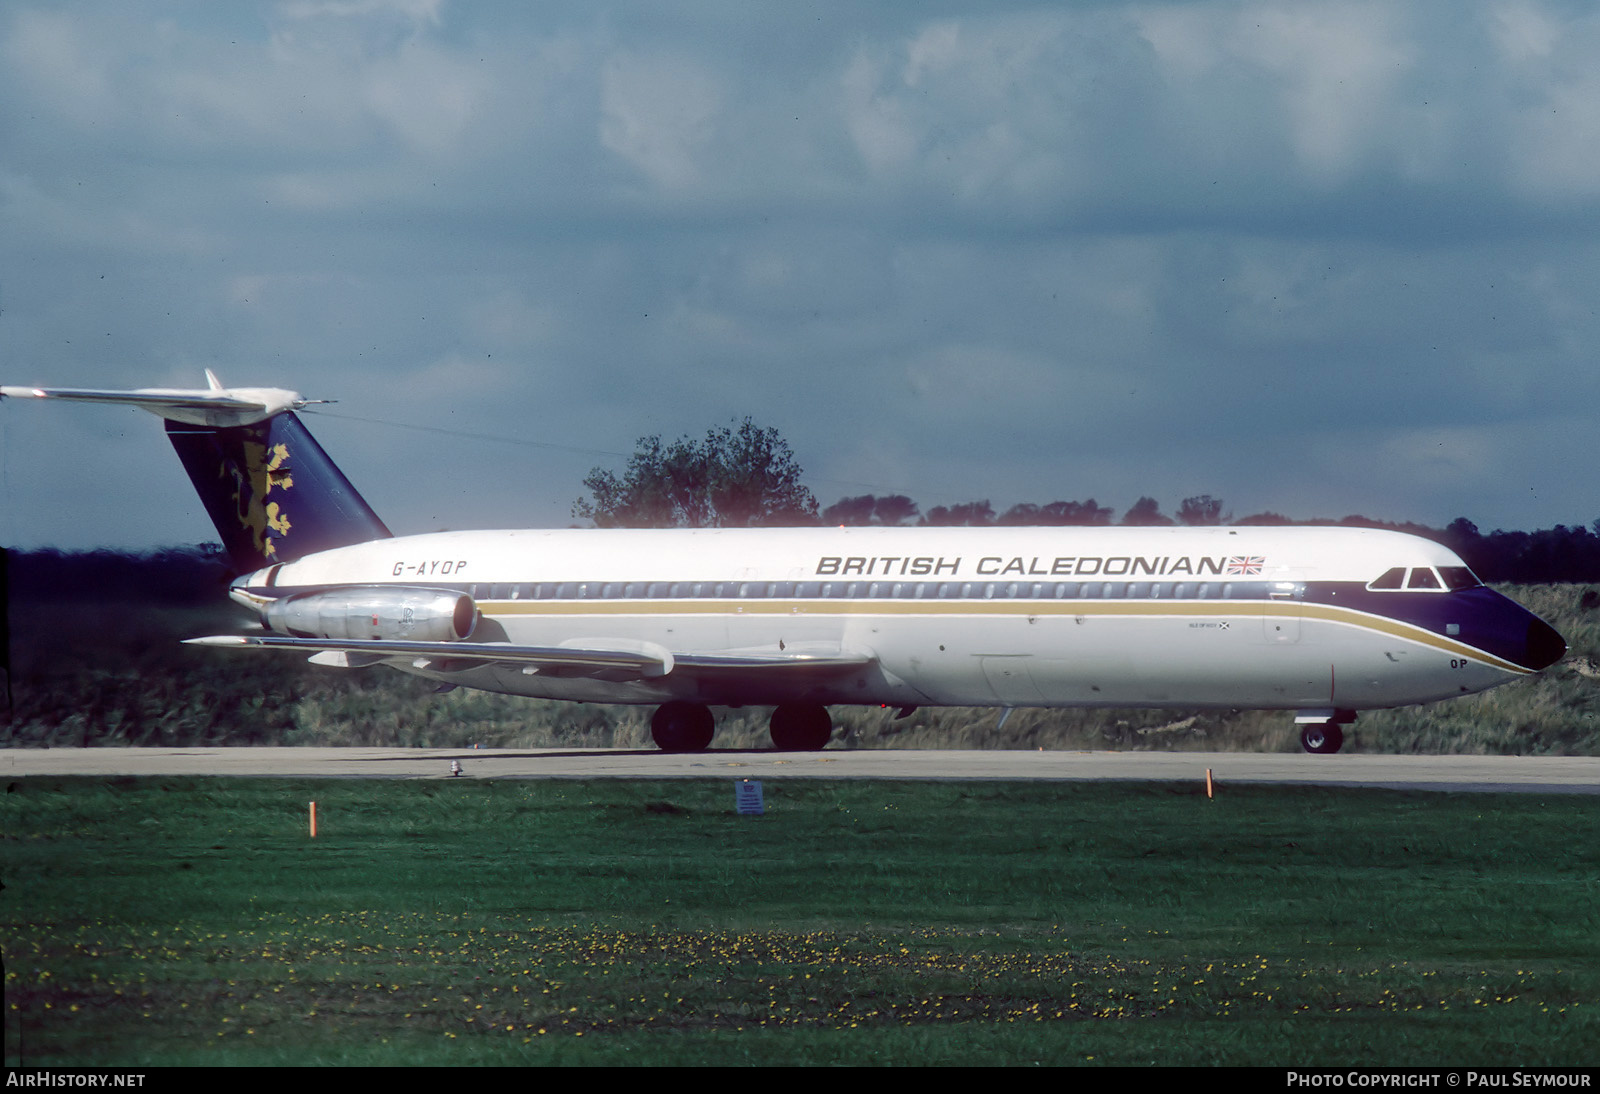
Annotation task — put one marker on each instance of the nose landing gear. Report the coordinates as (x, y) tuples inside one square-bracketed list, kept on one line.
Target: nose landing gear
[(1322, 731), (1321, 737)]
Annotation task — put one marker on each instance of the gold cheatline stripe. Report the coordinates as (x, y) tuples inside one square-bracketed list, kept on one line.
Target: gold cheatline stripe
[(1257, 609)]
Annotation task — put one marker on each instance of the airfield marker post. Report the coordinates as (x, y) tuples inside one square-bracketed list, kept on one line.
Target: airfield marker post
[(313, 820)]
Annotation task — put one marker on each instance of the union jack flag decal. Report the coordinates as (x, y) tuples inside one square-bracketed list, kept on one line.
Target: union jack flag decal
[(1246, 564)]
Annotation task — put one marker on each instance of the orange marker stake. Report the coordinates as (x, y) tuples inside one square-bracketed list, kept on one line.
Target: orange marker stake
[(313, 820), (1208, 784)]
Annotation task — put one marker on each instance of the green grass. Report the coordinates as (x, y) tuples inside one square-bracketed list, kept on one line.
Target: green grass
[(192, 921)]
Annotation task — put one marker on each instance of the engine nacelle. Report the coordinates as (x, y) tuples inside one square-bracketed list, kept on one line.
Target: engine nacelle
[(375, 611)]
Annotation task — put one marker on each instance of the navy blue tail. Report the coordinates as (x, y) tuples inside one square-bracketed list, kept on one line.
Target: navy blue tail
[(272, 491)]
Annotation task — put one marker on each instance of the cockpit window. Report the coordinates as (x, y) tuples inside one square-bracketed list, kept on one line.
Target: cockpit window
[(1459, 577), (1424, 578), (1391, 579)]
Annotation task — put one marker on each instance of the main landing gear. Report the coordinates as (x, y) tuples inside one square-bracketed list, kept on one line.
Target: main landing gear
[(801, 727), (688, 727), (682, 727)]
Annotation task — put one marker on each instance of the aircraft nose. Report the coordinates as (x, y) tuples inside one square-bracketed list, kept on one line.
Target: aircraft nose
[(1504, 628), (1543, 645)]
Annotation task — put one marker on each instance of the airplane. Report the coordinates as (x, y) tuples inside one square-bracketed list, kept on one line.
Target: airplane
[(1321, 621)]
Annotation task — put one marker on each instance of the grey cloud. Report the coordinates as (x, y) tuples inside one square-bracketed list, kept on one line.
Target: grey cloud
[(1323, 258)]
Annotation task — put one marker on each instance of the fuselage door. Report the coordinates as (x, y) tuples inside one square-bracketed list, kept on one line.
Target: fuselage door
[(1281, 612)]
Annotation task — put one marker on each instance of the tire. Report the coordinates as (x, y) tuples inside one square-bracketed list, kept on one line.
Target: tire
[(801, 727), (682, 727), (1322, 738)]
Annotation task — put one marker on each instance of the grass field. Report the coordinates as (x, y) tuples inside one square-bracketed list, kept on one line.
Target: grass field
[(177, 921)]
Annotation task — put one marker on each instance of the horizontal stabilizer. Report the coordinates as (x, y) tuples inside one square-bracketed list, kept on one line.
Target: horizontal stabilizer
[(214, 406)]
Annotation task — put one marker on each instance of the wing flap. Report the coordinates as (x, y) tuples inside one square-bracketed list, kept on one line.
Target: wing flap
[(821, 658)]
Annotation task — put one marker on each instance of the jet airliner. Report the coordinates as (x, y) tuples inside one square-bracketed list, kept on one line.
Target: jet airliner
[(1324, 622)]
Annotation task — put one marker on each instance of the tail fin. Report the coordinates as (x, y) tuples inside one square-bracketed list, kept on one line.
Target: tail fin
[(268, 486), (272, 491)]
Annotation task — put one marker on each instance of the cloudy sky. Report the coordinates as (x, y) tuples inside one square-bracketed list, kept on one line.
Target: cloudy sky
[(1318, 258)]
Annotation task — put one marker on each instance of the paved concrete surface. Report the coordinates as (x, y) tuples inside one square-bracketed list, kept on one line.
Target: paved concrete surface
[(1540, 774)]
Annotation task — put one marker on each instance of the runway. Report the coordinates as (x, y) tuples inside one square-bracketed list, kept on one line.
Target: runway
[(1525, 774)]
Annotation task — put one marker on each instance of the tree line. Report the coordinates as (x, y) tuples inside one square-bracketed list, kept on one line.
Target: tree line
[(747, 477)]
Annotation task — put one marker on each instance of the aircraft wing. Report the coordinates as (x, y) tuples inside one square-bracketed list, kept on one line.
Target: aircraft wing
[(615, 659)]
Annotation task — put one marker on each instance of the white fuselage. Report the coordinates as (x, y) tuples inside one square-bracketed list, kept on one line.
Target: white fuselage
[(1250, 617)]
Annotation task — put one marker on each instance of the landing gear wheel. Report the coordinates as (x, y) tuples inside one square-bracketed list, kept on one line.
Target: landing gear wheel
[(1321, 737), (801, 727), (682, 727)]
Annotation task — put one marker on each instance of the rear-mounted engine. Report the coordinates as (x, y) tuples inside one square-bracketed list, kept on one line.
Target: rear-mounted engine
[(375, 611)]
